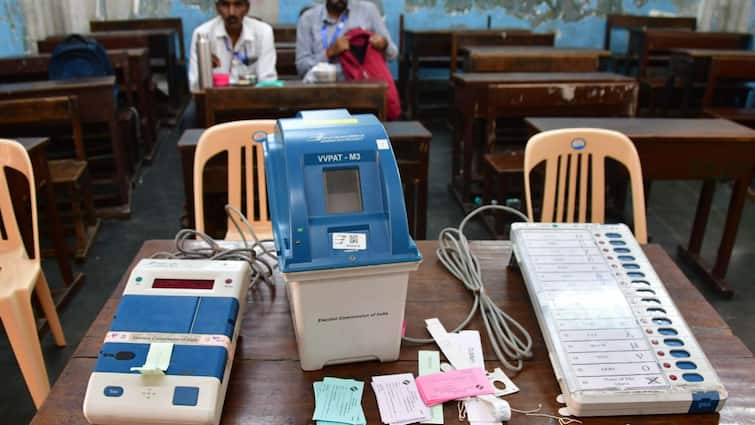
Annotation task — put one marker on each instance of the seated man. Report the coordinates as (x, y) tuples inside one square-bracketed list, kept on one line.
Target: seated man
[(236, 40), (320, 33)]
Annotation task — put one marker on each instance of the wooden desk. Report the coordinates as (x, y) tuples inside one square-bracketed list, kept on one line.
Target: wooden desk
[(143, 24), (284, 33), (267, 385), (646, 43), (96, 94), (227, 103), (530, 59), (36, 147), (132, 73), (411, 145), (679, 149), (493, 38), (614, 21), (161, 43), (480, 96), (425, 49), (690, 67)]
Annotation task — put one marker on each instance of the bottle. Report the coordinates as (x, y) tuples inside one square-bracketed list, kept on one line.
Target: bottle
[(204, 61)]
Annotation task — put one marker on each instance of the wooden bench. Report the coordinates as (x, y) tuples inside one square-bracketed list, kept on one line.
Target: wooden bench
[(285, 33), (489, 96), (113, 178), (626, 22), (175, 24), (70, 175), (411, 144), (530, 59), (232, 103), (513, 37), (132, 72), (739, 69), (162, 52)]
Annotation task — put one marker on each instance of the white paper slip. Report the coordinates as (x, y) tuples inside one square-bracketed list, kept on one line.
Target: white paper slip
[(158, 359), (625, 382), (479, 412), (587, 346), (610, 357), (357, 241), (600, 334), (398, 399), (616, 369), (469, 343)]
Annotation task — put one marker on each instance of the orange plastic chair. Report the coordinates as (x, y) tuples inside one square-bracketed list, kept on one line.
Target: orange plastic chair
[(236, 139), (19, 275), (582, 152)]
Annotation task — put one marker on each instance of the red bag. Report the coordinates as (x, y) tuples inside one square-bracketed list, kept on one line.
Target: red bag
[(363, 62)]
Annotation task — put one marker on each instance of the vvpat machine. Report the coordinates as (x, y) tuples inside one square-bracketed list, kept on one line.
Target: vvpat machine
[(340, 230), (169, 351)]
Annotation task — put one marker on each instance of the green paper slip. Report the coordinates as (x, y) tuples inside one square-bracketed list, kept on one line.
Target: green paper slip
[(338, 401), (429, 363)]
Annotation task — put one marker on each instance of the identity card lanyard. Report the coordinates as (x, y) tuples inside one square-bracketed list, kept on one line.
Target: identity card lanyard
[(339, 27), (242, 58)]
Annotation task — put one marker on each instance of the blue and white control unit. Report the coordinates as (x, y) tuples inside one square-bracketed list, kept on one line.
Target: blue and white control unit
[(168, 354), (341, 235)]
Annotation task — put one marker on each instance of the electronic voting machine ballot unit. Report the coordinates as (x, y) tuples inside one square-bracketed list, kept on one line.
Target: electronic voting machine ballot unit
[(169, 351), (617, 342), (341, 235)]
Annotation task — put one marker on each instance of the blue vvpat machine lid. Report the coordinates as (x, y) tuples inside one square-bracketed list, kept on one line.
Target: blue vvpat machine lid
[(335, 194)]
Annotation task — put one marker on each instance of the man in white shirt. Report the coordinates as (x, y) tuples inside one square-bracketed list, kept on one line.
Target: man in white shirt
[(235, 40)]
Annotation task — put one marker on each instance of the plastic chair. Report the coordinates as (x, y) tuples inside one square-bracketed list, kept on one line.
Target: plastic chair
[(236, 139), (582, 152), (19, 275)]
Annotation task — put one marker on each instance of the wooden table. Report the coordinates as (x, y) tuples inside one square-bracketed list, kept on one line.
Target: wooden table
[(132, 72), (161, 42), (36, 147), (96, 96), (646, 43), (411, 145), (267, 385), (684, 149), (226, 103), (479, 96), (691, 68), (531, 59)]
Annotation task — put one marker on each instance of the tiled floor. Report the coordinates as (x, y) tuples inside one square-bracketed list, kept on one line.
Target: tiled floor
[(157, 205)]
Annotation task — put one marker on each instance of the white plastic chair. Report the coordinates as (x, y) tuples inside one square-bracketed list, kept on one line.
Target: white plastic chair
[(19, 275), (236, 139), (583, 152)]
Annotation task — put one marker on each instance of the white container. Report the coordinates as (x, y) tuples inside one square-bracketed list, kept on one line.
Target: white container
[(348, 315)]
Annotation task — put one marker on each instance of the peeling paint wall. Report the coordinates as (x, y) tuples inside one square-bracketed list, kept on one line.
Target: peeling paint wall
[(576, 23), (12, 28)]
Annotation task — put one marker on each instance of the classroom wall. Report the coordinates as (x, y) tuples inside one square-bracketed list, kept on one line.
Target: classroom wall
[(575, 23)]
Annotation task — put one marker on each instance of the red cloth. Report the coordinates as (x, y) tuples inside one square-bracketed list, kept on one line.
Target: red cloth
[(371, 66)]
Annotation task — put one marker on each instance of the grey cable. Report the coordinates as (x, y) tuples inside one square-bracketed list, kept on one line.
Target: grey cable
[(506, 335), (262, 267)]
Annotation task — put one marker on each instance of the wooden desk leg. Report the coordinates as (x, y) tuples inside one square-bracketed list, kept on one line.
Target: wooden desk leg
[(187, 164), (467, 148), (716, 276), (736, 206), (421, 229), (71, 281)]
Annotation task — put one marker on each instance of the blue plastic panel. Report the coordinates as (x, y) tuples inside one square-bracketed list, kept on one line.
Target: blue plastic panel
[(704, 402), (186, 360), (185, 396), (216, 316), (150, 313)]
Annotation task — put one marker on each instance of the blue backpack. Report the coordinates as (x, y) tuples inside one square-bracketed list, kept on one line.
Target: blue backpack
[(79, 57)]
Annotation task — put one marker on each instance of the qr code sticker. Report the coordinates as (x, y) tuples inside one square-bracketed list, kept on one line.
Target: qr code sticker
[(350, 241)]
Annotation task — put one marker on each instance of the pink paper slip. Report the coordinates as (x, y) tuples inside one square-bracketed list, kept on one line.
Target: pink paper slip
[(441, 387)]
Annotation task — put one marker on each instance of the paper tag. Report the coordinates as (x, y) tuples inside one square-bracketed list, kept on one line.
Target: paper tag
[(447, 345), (181, 339), (356, 241), (470, 344), (339, 401), (398, 399), (382, 144), (457, 384), (508, 385), (158, 359), (429, 362)]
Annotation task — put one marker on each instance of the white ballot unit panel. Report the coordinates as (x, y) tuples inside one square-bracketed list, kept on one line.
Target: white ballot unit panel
[(168, 354), (617, 342)]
